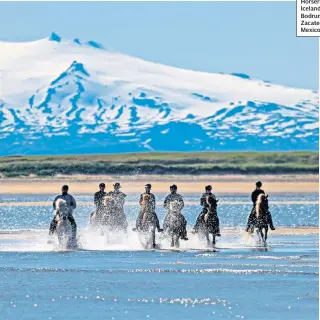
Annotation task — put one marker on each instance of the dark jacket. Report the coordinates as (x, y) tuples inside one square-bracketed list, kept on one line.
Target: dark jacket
[(99, 199), (68, 198), (173, 197), (203, 199), (255, 194)]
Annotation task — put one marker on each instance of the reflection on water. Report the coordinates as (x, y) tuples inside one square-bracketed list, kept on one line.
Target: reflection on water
[(231, 215)]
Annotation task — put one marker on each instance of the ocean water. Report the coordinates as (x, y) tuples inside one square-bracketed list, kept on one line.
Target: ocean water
[(237, 280)]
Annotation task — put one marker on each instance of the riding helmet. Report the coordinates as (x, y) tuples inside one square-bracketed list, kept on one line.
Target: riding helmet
[(208, 187), (148, 185), (259, 184), (174, 186)]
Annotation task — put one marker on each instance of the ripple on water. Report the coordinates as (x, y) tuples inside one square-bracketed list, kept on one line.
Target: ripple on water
[(161, 270)]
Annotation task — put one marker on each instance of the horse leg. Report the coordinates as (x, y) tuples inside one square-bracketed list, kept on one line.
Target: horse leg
[(153, 238), (177, 244), (208, 238), (172, 241), (213, 240), (259, 233), (266, 235)]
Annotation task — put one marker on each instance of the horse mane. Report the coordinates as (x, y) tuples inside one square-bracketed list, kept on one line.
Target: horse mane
[(260, 199), (144, 207), (145, 201), (173, 203), (106, 200)]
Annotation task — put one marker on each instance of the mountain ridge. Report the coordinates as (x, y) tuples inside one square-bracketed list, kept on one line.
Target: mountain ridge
[(80, 96)]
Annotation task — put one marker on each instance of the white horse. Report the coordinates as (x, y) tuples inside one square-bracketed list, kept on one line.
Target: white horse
[(64, 227), (174, 223)]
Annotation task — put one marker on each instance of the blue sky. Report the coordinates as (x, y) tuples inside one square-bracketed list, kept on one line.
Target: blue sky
[(256, 38)]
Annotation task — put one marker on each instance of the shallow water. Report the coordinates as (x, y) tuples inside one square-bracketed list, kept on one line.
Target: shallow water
[(287, 210), (239, 280)]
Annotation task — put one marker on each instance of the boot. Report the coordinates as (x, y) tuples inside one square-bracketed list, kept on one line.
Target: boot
[(53, 226), (184, 235)]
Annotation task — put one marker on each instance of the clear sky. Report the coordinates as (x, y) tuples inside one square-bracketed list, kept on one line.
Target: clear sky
[(256, 38)]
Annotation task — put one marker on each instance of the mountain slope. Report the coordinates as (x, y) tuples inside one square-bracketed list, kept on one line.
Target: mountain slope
[(59, 96)]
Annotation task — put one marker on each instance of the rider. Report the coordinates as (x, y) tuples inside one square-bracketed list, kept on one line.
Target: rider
[(117, 204), (174, 196), (99, 197), (208, 193), (71, 203), (152, 207), (254, 197), (206, 201)]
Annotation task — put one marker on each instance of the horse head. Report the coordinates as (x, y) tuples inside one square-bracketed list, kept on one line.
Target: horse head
[(62, 208), (212, 202), (107, 200), (175, 205)]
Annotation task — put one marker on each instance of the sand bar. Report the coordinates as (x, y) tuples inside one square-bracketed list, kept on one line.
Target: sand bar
[(224, 184)]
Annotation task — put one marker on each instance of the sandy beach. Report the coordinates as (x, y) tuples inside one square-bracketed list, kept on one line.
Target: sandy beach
[(80, 184)]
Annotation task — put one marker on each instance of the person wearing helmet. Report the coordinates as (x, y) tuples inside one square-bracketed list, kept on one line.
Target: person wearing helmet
[(117, 206), (174, 196), (151, 207), (254, 197), (71, 203)]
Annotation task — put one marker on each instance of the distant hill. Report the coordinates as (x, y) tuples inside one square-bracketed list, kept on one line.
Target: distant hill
[(62, 96), (195, 163)]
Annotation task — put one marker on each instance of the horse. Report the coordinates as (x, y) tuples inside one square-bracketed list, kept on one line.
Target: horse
[(260, 221), (64, 230), (175, 223), (208, 222), (147, 222), (96, 216), (113, 222)]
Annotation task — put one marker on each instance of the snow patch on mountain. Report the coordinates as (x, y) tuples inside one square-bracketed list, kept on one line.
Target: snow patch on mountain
[(79, 95)]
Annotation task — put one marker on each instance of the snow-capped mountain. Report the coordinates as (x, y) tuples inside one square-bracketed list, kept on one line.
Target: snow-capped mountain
[(65, 97)]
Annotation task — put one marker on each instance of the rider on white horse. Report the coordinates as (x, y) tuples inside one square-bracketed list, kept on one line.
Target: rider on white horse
[(254, 197), (172, 197), (71, 203)]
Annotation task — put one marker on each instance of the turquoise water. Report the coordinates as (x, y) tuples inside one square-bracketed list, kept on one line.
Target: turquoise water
[(240, 280)]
